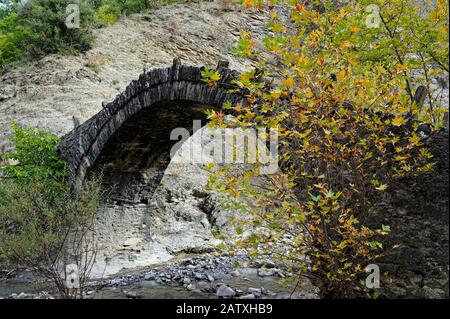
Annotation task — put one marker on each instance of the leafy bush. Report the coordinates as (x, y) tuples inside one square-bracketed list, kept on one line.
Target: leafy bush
[(35, 159), (47, 19), (12, 35), (45, 235), (110, 10), (7, 7), (107, 14), (134, 6), (340, 95), (43, 226), (38, 27)]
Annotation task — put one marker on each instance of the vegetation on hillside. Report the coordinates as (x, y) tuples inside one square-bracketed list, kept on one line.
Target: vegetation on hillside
[(39, 27), (337, 80)]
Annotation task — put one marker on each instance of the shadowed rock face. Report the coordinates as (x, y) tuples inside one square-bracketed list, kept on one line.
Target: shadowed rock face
[(416, 256)]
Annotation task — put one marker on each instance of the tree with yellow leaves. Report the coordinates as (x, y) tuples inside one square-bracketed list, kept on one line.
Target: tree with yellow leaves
[(338, 80)]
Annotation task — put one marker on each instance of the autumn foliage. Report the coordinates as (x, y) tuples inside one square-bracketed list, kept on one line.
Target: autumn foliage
[(337, 79)]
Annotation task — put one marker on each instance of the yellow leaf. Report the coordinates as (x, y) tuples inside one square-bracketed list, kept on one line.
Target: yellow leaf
[(382, 187), (415, 139), (288, 82), (352, 61), (302, 60), (215, 76), (248, 4), (400, 158), (274, 95), (398, 121), (341, 75)]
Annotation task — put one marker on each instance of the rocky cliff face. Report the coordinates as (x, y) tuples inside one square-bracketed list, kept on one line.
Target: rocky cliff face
[(415, 264)]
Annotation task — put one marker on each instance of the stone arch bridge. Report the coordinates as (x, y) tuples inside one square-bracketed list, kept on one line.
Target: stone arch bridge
[(130, 135)]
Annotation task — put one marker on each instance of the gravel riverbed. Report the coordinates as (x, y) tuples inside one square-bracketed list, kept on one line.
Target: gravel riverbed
[(202, 276)]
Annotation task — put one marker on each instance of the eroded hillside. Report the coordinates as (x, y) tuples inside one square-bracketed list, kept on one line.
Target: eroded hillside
[(48, 93)]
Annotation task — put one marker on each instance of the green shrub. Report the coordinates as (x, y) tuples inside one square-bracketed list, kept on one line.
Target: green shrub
[(125, 7), (94, 67), (107, 14), (43, 225), (46, 234), (35, 159), (47, 19), (12, 35), (134, 6), (7, 7)]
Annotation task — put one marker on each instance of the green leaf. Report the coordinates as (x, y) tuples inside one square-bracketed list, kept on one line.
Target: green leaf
[(315, 198)]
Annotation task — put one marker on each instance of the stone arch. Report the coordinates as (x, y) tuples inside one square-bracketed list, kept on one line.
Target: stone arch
[(155, 88)]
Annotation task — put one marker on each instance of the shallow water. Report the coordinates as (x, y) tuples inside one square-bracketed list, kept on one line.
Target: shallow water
[(12, 286), (149, 291), (152, 290)]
